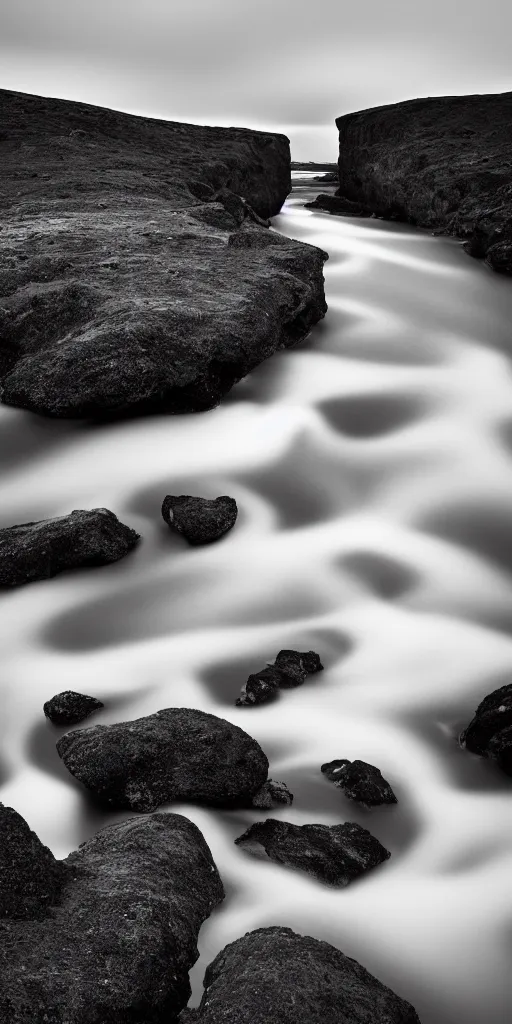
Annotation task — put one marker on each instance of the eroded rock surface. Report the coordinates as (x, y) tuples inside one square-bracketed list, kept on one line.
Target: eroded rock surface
[(335, 854), (200, 520), (275, 976), (270, 794), (175, 754), (37, 551), (69, 707), (121, 290), (490, 732), (360, 781), (290, 669), (120, 936)]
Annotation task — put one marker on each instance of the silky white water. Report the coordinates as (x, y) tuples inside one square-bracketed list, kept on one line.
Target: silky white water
[(372, 469)]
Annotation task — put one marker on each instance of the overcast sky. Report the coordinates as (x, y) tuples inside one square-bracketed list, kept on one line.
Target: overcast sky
[(285, 65)]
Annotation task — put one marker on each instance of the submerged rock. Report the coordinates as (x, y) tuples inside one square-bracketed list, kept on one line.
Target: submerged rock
[(270, 794), (68, 707), (176, 754), (37, 551), (360, 781), (275, 976), (290, 669), (490, 731), (200, 520), (116, 939), (335, 854)]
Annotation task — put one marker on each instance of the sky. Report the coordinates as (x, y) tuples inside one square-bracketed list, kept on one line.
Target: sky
[(283, 65)]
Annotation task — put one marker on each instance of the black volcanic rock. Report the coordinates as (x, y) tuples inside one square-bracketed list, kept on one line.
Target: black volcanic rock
[(37, 551), (290, 669), (338, 205), (69, 707), (360, 781), (490, 731), (442, 162), (31, 879), (118, 943), (119, 292), (176, 754), (335, 854), (200, 520), (275, 976), (270, 794)]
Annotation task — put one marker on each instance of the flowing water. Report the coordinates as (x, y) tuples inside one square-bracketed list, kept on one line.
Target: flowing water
[(372, 468)]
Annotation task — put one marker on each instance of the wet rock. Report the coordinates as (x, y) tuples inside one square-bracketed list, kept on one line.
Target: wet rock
[(128, 299), (31, 879), (120, 940), (330, 176), (270, 794), (290, 669), (499, 257), (200, 520), (335, 854), (360, 781), (68, 707), (275, 976), (37, 551), (176, 754), (338, 205), (490, 731)]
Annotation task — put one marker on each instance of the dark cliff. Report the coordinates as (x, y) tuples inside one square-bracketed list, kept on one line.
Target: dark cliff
[(137, 269), (443, 163)]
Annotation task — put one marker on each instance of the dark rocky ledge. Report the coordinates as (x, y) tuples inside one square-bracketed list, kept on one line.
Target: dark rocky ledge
[(443, 163), (123, 287), (490, 731), (275, 976), (37, 551), (175, 754), (110, 933)]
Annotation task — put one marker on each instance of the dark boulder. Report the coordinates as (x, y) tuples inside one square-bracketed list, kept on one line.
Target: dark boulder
[(490, 731), (338, 205), (270, 794), (275, 976), (296, 665), (118, 942), (290, 669), (68, 707), (31, 879), (335, 854), (360, 781), (37, 551), (260, 687), (200, 520), (176, 754)]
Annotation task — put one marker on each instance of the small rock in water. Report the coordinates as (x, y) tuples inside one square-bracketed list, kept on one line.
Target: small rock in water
[(37, 551), (335, 854), (490, 731), (176, 754), (270, 794), (290, 669), (68, 707), (200, 520), (360, 781), (275, 976)]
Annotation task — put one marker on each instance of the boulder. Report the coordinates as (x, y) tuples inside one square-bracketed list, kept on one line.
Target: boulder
[(175, 754), (335, 854), (275, 976), (116, 939), (37, 551), (360, 781), (68, 707), (120, 292), (260, 687), (490, 731), (200, 520), (290, 669)]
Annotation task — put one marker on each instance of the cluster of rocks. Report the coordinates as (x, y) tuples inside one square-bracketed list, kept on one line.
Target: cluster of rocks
[(290, 669)]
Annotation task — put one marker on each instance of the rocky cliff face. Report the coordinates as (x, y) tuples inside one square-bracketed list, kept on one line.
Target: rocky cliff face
[(137, 270), (443, 163)]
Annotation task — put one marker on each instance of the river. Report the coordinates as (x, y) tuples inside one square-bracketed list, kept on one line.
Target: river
[(372, 469)]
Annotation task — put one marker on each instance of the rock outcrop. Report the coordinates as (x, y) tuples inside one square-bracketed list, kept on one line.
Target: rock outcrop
[(443, 162), (110, 933), (289, 669), (490, 731), (200, 520), (121, 289), (335, 854), (37, 551), (360, 781), (69, 707), (175, 754), (275, 975)]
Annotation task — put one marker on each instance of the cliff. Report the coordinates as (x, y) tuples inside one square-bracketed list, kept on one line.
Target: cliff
[(137, 270), (443, 163)]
